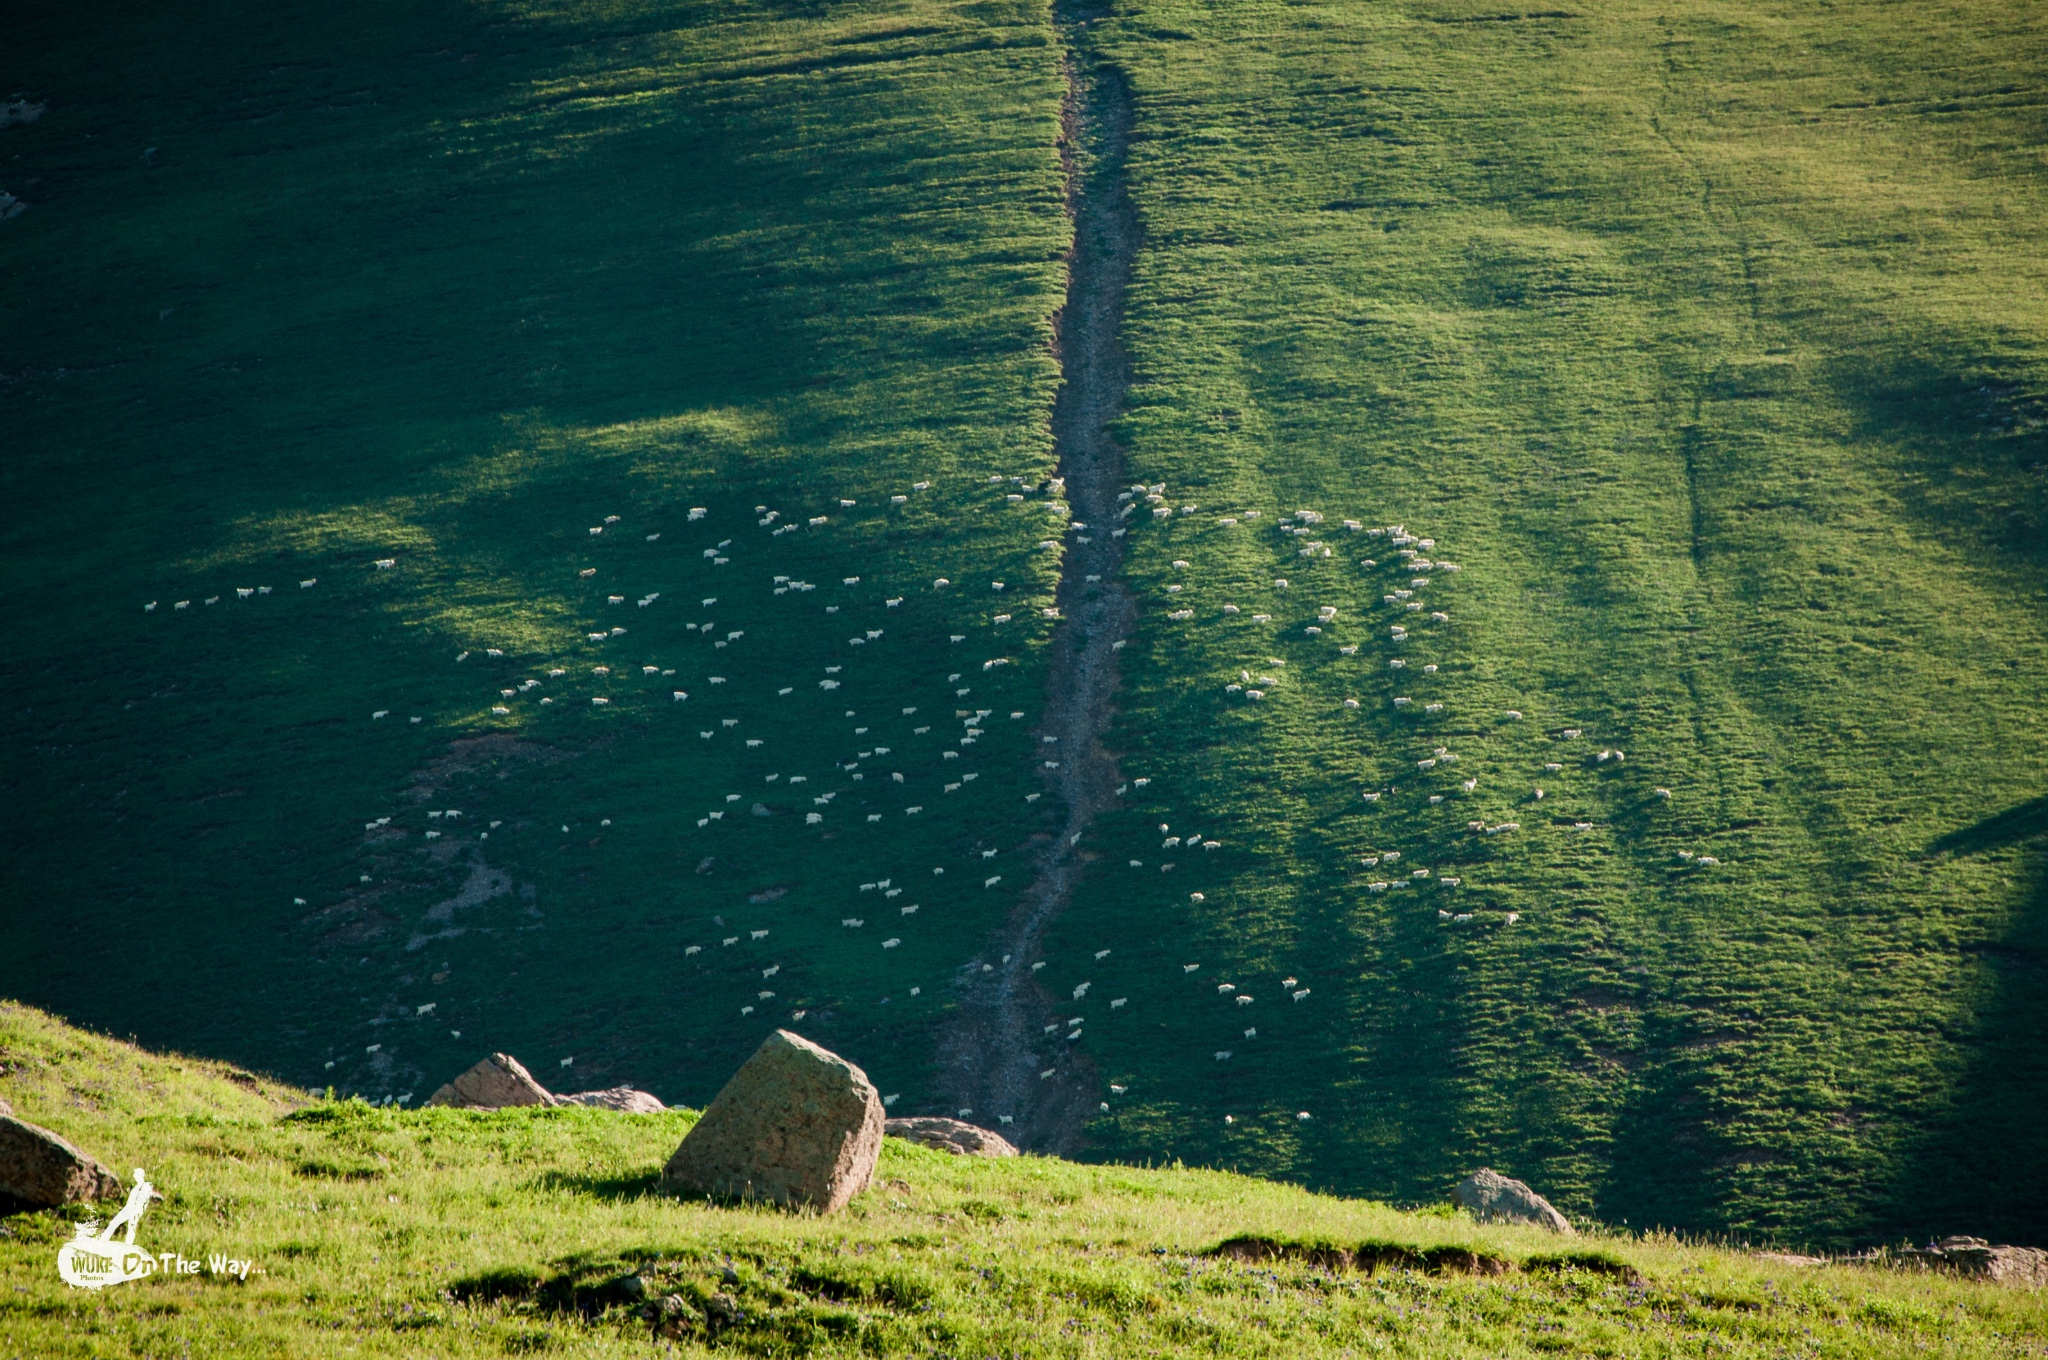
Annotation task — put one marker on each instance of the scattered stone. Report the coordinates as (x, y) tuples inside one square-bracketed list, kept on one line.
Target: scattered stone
[(40, 1168), (19, 112), (951, 1135), (673, 1317), (1492, 1198), (622, 1098), (2023, 1267), (797, 1125), (493, 1084)]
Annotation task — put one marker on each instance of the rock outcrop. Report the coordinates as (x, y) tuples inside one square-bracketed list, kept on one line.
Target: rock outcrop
[(1493, 1198), (950, 1135), (621, 1098), (493, 1084), (41, 1168), (797, 1125), (2026, 1267)]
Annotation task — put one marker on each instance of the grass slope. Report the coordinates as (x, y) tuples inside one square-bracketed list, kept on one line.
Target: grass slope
[(1708, 340), (451, 287), (1705, 339), (439, 1232)]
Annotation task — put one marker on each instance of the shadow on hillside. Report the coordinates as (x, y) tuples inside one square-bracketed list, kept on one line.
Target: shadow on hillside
[(2015, 824), (532, 232), (1974, 435), (1667, 1150), (610, 1189), (1982, 1166)]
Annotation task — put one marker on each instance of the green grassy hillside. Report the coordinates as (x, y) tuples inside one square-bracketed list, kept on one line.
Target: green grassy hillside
[(453, 288), (1708, 342), (363, 373), (440, 1232)]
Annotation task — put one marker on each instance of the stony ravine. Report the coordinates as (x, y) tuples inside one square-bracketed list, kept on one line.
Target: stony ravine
[(993, 1053)]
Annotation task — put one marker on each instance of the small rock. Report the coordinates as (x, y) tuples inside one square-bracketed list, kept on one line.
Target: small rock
[(1792, 1258), (1492, 1198), (622, 1098), (673, 1317), (16, 112), (951, 1135), (797, 1125), (2024, 1267), (39, 1167), (761, 810), (5, 1108), (493, 1084)]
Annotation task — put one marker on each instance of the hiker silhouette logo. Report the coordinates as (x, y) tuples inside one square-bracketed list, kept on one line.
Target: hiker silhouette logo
[(96, 1258)]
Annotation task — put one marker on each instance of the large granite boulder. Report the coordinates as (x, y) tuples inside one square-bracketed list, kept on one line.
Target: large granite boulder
[(1492, 1198), (2026, 1267), (493, 1084), (950, 1135), (797, 1125), (622, 1098), (40, 1168)]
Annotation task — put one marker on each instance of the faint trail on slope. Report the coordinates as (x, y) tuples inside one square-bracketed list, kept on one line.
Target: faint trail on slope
[(992, 1054)]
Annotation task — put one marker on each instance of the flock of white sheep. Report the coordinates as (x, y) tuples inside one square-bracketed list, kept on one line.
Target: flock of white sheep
[(1415, 572)]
